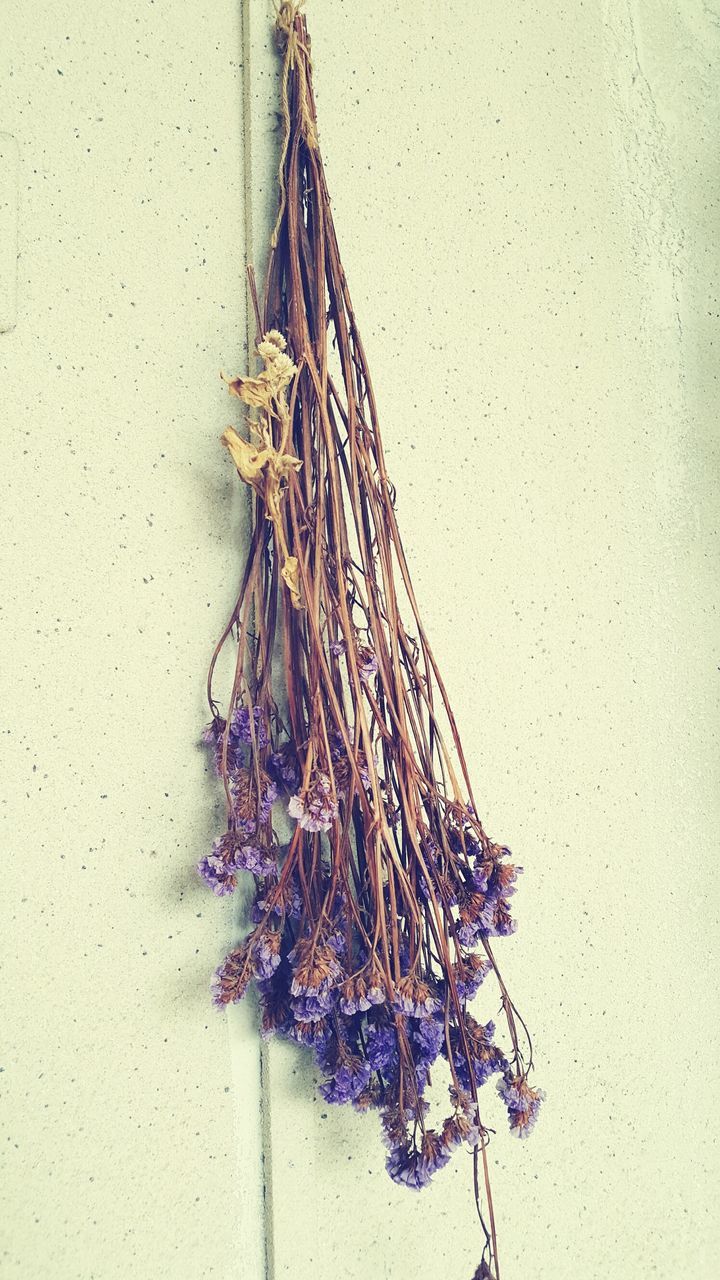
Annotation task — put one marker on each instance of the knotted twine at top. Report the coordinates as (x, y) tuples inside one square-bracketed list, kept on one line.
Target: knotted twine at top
[(293, 40)]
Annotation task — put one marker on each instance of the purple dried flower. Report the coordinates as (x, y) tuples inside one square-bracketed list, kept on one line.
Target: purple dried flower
[(381, 1047), (487, 1058), (522, 1102), (251, 806), (283, 767), (434, 1152), (406, 1167), (212, 732), (266, 954), (494, 919), (261, 862), (316, 975), (483, 907), (464, 1124), (240, 726), (353, 1000), (289, 902), (217, 868), (504, 879), (217, 875), (480, 875), (212, 736), (338, 648), (335, 935), (315, 810), (469, 973), (314, 964), (413, 1166), (312, 1006), (232, 978), (350, 1077), (503, 925), (468, 934), (258, 956), (362, 992), (414, 998), (427, 1035), (315, 1033), (367, 663)]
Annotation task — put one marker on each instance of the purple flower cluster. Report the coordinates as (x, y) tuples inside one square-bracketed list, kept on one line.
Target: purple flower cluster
[(413, 1165), (237, 751), (522, 1102), (242, 721), (228, 856), (375, 1036), (315, 808), (258, 861), (283, 768), (253, 795), (316, 972), (469, 973), (474, 1049), (257, 957), (213, 736), (415, 998), (381, 1047), (374, 1041), (470, 874), (248, 844), (347, 1073), (218, 867), (484, 910), (362, 992)]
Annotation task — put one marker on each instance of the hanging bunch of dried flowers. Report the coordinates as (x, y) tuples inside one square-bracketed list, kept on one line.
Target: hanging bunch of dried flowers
[(372, 922)]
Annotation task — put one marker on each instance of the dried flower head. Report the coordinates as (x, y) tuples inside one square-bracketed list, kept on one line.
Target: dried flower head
[(315, 808), (522, 1102)]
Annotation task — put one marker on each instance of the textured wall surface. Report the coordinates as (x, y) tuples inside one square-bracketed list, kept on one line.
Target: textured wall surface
[(123, 1154), (527, 202)]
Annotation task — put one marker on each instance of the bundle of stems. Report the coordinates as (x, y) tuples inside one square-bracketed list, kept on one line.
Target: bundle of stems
[(372, 921)]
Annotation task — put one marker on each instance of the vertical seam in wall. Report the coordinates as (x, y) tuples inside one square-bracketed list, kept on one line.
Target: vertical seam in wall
[(266, 1161), (247, 154), (265, 1170)]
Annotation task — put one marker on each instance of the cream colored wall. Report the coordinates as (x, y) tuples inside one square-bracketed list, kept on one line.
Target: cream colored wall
[(527, 202), (123, 1151)]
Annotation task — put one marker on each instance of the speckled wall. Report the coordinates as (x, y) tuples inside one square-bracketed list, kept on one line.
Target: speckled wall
[(527, 200)]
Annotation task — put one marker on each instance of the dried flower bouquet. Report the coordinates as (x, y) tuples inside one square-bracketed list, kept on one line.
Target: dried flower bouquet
[(372, 922)]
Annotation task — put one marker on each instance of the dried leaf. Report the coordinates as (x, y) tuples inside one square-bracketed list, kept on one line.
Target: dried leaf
[(248, 459), (255, 392), (290, 573)]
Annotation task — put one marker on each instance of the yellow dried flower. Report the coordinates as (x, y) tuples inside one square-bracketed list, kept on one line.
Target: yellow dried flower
[(268, 350), (280, 370), (276, 338)]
